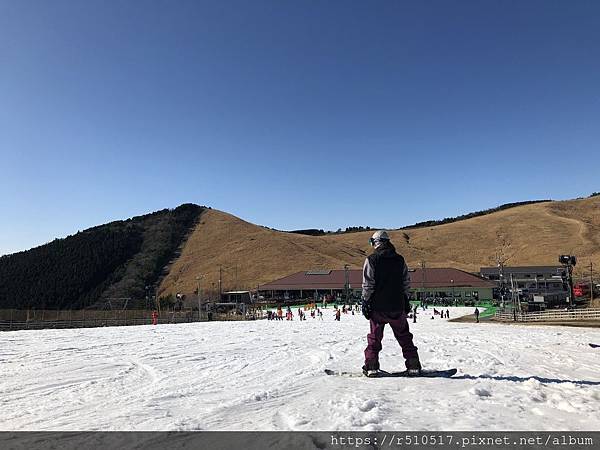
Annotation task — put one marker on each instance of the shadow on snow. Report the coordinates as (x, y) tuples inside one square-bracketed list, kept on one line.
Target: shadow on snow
[(523, 379)]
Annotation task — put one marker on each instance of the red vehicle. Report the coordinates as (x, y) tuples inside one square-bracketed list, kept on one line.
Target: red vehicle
[(581, 290)]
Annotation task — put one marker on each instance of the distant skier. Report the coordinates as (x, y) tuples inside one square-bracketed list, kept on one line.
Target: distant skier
[(477, 315), (415, 314), (386, 284), (447, 314), (338, 315)]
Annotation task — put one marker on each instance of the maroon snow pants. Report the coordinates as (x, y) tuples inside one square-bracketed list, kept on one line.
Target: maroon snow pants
[(399, 324)]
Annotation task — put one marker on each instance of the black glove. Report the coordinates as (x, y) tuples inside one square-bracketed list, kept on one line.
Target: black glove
[(367, 309)]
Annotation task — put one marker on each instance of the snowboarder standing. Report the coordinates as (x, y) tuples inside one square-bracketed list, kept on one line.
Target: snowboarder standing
[(386, 284), (477, 315)]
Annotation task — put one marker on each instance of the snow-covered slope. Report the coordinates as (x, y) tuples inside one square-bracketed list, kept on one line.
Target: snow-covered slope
[(269, 376)]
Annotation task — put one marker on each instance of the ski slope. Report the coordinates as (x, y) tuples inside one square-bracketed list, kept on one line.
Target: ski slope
[(269, 376)]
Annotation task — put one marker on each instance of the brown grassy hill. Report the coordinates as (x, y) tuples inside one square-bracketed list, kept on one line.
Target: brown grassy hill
[(250, 254)]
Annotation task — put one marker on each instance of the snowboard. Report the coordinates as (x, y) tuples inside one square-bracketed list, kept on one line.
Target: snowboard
[(595, 345), (425, 373)]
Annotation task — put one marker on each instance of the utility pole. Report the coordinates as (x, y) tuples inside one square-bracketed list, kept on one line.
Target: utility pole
[(512, 293), (423, 283), (220, 278), (156, 298), (346, 281), (198, 278), (591, 284)]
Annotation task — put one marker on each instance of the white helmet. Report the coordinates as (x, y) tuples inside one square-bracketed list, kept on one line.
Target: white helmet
[(379, 236)]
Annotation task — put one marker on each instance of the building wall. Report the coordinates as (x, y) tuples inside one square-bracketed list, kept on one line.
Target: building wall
[(461, 293)]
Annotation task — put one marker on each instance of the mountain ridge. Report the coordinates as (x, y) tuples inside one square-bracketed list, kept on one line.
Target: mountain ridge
[(175, 247), (248, 255)]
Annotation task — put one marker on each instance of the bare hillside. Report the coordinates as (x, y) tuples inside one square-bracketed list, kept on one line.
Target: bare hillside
[(531, 234), (251, 255)]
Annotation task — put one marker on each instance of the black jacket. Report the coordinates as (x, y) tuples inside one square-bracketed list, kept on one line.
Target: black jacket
[(386, 281)]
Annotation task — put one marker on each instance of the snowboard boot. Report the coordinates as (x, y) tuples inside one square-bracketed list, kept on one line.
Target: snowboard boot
[(370, 370), (413, 366)]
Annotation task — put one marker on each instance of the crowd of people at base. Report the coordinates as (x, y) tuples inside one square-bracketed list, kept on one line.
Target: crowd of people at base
[(316, 312), (311, 310), (414, 312), (448, 301)]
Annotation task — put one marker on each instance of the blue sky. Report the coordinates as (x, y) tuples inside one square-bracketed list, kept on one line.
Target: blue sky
[(292, 114)]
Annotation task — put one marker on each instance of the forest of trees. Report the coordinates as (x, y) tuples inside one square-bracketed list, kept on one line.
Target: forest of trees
[(118, 259), (320, 232)]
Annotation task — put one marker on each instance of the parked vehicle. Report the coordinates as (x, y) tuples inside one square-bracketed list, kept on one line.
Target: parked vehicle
[(581, 290)]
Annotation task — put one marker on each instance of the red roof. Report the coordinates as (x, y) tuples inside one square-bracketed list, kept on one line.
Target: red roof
[(335, 279)]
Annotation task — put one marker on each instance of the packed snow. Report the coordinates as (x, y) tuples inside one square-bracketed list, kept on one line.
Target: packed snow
[(269, 375)]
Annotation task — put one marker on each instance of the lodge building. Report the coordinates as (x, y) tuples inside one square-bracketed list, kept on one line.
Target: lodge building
[(428, 282)]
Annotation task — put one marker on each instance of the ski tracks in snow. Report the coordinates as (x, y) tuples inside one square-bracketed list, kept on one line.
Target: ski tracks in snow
[(269, 376)]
